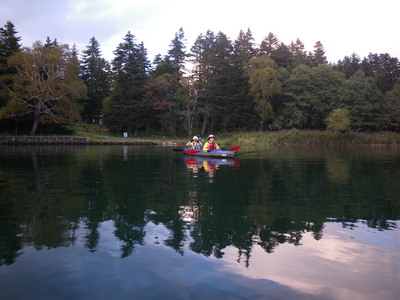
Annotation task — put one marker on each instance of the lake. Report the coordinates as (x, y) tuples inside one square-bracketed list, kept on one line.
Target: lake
[(146, 222)]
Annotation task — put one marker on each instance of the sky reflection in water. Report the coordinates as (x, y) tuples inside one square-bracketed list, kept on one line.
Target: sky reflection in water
[(142, 224)]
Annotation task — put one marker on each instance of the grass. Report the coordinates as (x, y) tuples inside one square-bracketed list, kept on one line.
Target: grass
[(254, 138), (314, 137)]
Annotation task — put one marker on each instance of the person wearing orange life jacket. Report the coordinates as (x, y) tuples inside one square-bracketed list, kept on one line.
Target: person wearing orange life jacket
[(210, 144)]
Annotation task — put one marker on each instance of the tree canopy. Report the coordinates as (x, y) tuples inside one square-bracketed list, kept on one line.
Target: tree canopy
[(217, 85)]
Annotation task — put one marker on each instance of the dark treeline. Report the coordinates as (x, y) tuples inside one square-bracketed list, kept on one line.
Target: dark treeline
[(218, 85)]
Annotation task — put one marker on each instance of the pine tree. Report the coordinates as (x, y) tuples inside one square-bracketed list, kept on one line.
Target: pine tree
[(123, 110), (95, 73), (177, 53), (213, 71), (9, 44), (298, 53), (318, 56), (242, 111), (383, 68), (49, 43), (349, 65), (282, 56), (269, 44)]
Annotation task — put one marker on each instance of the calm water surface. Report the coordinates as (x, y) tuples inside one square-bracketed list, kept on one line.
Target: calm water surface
[(127, 222)]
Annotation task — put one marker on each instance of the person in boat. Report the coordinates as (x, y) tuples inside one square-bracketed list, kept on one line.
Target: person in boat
[(195, 143), (210, 144)]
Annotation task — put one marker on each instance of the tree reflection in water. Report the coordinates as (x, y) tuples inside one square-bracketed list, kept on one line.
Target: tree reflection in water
[(49, 196)]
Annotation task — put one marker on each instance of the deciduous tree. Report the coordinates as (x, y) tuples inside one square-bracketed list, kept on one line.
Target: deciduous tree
[(338, 120), (45, 85), (263, 86), (392, 108), (364, 101)]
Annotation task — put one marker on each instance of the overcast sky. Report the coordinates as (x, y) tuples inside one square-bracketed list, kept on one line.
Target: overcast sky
[(343, 26)]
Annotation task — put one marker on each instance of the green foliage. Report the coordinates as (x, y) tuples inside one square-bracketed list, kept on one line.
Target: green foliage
[(312, 92), (130, 66), (263, 85), (9, 44), (318, 56), (314, 137), (338, 120), (349, 65), (95, 74), (230, 86), (383, 68), (269, 44), (391, 108), (364, 101), (45, 86)]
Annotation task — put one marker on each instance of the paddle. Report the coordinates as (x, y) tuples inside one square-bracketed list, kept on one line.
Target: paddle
[(235, 148), (191, 152)]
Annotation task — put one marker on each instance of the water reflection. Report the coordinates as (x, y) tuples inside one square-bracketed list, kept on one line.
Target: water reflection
[(209, 165), (54, 196)]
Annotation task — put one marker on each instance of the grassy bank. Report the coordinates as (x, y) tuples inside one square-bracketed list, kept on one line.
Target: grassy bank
[(312, 137), (258, 138), (98, 133)]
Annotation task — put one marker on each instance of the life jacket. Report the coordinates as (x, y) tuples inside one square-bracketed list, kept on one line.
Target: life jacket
[(196, 145), (212, 146)]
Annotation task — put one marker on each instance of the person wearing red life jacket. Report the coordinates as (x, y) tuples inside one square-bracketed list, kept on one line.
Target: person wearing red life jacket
[(210, 144)]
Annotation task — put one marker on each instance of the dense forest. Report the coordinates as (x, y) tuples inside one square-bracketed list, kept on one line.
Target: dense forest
[(218, 85)]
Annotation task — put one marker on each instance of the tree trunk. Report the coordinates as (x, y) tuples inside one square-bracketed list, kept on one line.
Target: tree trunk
[(174, 125), (35, 120), (204, 125)]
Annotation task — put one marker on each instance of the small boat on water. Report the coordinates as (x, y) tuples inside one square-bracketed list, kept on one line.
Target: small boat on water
[(228, 153)]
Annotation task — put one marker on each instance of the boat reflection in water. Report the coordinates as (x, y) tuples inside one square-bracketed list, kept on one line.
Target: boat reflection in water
[(209, 165)]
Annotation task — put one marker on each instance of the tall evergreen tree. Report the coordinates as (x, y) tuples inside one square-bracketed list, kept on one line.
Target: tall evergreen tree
[(383, 68), (242, 108), (177, 53), (177, 56), (298, 53), (349, 65), (123, 110), (200, 58), (51, 43), (223, 80), (95, 72), (9, 44), (269, 44), (213, 71), (318, 56), (282, 56)]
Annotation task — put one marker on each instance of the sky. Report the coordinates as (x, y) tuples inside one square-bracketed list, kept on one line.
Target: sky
[(343, 27)]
